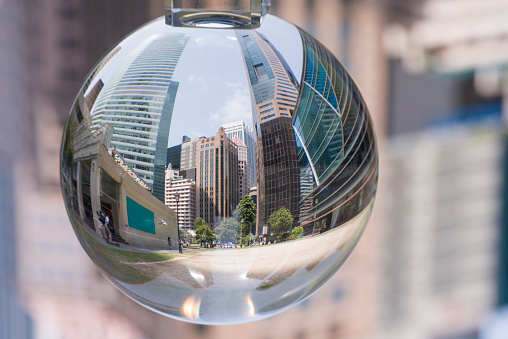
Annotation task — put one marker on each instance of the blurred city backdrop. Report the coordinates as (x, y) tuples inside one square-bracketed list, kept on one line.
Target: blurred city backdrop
[(433, 261)]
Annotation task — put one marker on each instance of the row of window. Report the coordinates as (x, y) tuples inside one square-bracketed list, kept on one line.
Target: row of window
[(207, 145), (267, 117)]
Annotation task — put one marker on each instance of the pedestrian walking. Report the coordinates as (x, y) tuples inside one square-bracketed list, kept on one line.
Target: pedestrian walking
[(102, 219), (101, 225)]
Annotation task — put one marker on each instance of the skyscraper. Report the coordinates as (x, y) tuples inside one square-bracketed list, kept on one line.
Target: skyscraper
[(244, 170), (174, 155), (188, 154), (241, 130), (330, 115), (440, 215), (275, 91), (217, 190), (138, 103)]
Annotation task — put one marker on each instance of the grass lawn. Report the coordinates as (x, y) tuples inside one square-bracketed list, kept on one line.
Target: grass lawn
[(111, 260)]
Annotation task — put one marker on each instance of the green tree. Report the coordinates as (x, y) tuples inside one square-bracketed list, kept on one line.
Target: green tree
[(297, 232), (199, 222), (281, 222), (203, 233), (247, 240), (227, 231), (184, 234), (247, 214)]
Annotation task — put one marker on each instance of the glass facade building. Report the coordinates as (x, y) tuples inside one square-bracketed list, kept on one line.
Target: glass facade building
[(138, 103), (173, 156), (275, 92), (335, 144)]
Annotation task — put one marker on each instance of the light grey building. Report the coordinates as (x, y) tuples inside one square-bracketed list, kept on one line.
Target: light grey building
[(439, 209), (138, 103), (241, 130), (186, 188), (188, 157)]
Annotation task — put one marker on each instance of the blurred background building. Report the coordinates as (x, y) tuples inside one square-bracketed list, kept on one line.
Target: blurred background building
[(433, 262)]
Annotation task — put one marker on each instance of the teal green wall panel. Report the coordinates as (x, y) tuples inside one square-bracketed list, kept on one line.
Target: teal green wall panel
[(140, 217)]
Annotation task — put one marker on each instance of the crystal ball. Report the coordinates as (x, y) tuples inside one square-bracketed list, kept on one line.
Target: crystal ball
[(219, 176)]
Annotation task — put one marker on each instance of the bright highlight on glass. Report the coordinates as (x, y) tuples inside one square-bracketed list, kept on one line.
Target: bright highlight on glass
[(219, 176), (190, 308)]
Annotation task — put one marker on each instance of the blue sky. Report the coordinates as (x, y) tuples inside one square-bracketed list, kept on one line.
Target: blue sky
[(214, 88)]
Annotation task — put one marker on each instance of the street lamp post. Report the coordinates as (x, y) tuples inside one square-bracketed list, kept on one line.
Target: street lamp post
[(177, 198), (314, 223)]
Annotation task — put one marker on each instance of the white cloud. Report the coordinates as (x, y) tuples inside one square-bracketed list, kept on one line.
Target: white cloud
[(236, 107), (234, 84), (198, 83)]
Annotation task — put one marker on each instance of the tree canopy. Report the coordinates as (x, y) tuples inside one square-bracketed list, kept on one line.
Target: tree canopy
[(280, 222), (297, 232), (247, 214), (227, 231), (203, 233), (199, 222)]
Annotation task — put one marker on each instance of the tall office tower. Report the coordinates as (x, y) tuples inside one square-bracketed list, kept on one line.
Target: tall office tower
[(248, 137), (61, 41), (244, 170), (217, 190), (141, 114), (188, 154), (268, 73), (440, 213), (174, 155), (354, 31), (275, 91), (323, 124), (186, 189)]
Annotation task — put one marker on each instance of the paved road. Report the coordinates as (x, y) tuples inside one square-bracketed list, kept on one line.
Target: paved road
[(252, 267)]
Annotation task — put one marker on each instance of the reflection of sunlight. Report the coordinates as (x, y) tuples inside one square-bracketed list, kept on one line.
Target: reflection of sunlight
[(243, 276), (198, 276), (292, 292), (190, 307), (250, 304)]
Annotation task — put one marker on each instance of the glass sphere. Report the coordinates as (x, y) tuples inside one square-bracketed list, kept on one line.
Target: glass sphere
[(219, 176)]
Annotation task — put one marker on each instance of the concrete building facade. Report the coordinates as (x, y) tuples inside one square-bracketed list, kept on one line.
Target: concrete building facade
[(188, 154), (244, 168), (97, 178), (217, 182)]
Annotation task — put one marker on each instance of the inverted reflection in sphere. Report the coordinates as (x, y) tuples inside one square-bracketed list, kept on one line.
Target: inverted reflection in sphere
[(257, 139)]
